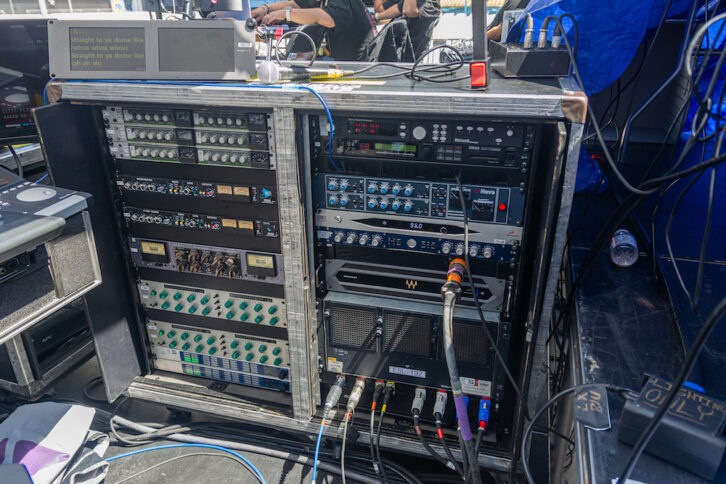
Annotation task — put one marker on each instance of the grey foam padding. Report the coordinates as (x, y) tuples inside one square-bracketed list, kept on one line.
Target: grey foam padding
[(67, 258), (26, 293), (70, 257)]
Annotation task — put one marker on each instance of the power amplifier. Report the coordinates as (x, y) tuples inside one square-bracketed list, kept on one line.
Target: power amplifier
[(402, 342)]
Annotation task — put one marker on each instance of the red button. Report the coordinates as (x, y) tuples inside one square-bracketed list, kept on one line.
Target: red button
[(478, 73), (502, 207)]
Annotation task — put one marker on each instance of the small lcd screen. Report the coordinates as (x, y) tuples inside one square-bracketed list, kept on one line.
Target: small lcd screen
[(395, 147), (373, 128), (260, 260), (107, 49), (196, 50), (153, 248)]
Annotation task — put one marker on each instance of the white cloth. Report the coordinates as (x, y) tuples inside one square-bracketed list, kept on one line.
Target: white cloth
[(49, 438)]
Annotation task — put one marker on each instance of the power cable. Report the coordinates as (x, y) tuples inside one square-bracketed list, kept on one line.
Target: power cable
[(257, 449), (184, 456), (693, 352), (249, 464), (538, 414)]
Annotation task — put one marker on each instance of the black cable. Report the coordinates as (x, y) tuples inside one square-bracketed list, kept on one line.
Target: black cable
[(625, 136), (384, 477), (414, 72), (92, 384), (372, 434), (387, 392), (447, 450), (17, 160), (490, 338), (668, 227), (693, 353), (538, 414), (417, 430), (479, 438), (598, 132), (709, 215), (184, 456), (465, 461)]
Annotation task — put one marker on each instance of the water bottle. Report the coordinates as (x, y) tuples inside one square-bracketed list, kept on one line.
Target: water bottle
[(623, 249)]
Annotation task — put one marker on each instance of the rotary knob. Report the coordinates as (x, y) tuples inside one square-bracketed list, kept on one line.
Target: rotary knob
[(142, 134), (396, 189), (213, 139), (343, 200), (233, 159), (384, 188), (350, 239), (474, 250), (159, 136), (372, 187), (333, 200), (411, 243), (165, 118), (376, 240), (487, 252), (343, 185), (168, 136), (225, 157), (372, 203), (222, 140), (459, 249), (363, 239), (396, 205), (215, 157), (156, 118), (384, 203), (338, 237), (145, 152), (408, 190), (446, 248), (332, 184), (408, 206), (419, 132)]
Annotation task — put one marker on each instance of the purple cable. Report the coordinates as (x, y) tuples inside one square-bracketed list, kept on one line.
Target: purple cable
[(460, 405)]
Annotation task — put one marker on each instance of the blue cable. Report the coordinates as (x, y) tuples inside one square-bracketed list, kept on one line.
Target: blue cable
[(262, 86), (317, 449), (42, 178), (330, 121), (45, 99), (208, 446)]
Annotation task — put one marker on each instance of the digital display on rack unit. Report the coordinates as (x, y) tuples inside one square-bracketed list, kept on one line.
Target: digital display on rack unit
[(372, 128), (107, 48), (395, 147)]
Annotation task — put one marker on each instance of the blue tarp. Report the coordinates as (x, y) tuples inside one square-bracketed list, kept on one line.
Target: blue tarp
[(609, 32)]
